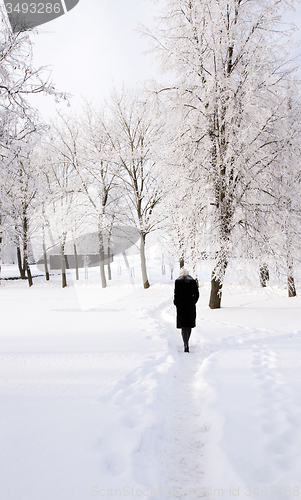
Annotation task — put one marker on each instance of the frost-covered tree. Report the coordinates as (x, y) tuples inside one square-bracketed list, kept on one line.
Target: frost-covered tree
[(83, 145), (182, 232), (135, 132), (18, 119), (283, 227), (61, 191), (99, 180), (228, 57), (18, 80), (19, 201)]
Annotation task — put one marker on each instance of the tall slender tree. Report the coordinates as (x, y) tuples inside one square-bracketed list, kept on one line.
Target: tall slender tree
[(135, 133)]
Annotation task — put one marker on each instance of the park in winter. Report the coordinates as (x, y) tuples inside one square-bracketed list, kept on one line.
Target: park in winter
[(150, 191)]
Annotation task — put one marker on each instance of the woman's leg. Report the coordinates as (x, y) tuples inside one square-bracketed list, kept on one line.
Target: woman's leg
[(186, 334)]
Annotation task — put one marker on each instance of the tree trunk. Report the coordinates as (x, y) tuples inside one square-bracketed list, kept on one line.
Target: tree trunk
[(45, 262), (26, 267), (86, 272), (19, 259), (217, 279), (76, 262), (143, 262), (29, 277), (125, 260), (109, 263), (163, 266), (63, 266), (290, 279), (102, 260), (182, 262), (216, 293), (264, 275)]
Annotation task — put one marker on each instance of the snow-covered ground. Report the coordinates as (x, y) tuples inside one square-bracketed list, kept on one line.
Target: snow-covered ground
[(98, 399)]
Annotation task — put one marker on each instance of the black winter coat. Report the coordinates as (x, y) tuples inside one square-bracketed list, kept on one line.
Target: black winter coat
[(186, 296)]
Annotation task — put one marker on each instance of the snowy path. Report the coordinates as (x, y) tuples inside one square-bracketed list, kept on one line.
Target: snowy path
[(183, 431), (180, 446), (233, 425), (97, 396)]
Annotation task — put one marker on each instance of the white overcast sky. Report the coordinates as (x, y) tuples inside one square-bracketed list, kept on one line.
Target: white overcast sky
[(95, 46)]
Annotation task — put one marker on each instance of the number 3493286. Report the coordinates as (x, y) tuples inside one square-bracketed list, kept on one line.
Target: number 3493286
[(34, 8)]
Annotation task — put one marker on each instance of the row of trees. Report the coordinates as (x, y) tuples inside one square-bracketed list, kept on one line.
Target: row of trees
[(213, 159), (90, 174), (20, 128)]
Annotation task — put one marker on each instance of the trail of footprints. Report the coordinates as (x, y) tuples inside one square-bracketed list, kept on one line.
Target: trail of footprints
[(276, 406), (185, 436), (181, 453)]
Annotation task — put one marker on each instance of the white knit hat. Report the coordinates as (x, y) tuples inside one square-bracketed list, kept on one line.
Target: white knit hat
[(183, 271)]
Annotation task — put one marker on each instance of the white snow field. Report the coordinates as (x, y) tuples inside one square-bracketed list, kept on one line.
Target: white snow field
[(99, 401)]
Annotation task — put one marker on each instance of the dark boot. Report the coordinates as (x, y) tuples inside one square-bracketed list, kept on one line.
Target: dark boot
[(186, 335)]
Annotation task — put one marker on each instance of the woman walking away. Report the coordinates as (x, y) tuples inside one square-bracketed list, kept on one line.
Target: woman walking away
[(185, 299)]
